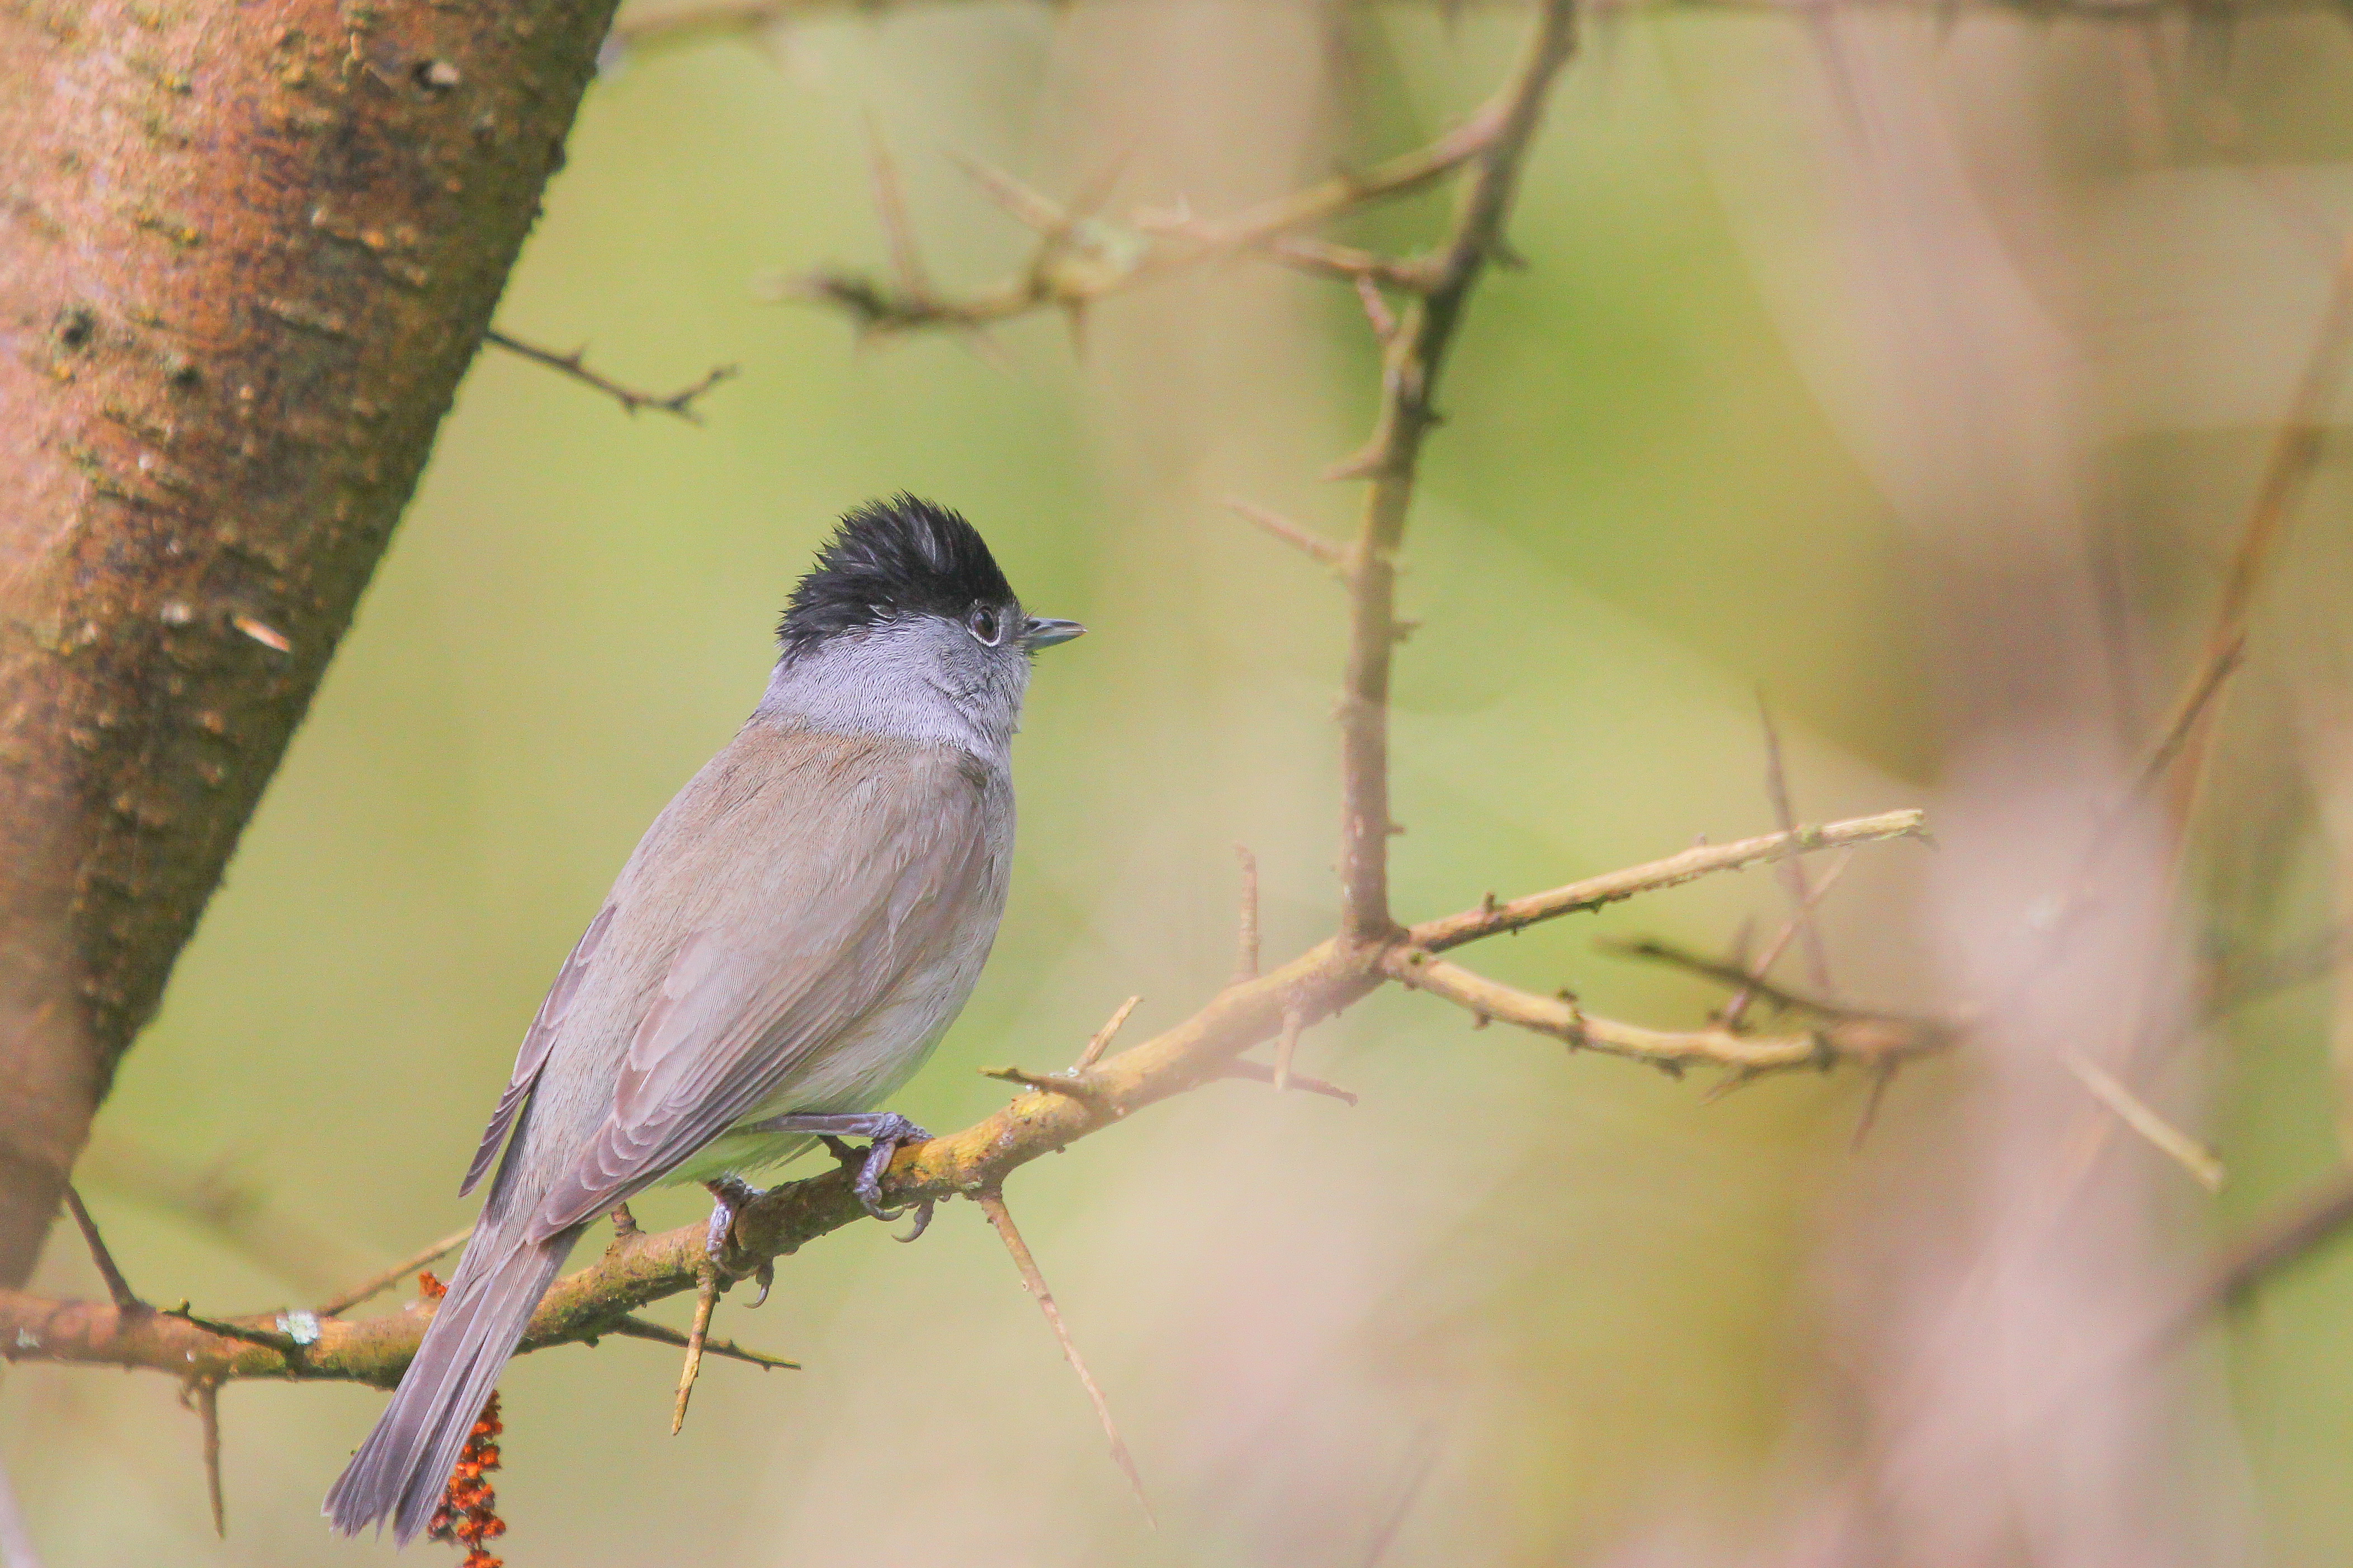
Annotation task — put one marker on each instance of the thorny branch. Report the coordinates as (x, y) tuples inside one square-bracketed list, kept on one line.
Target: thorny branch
[(1100, 1090), (1082, 257), (576, 365)]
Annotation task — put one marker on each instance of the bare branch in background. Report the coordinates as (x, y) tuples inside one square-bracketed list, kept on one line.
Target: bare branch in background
[(575, 364)]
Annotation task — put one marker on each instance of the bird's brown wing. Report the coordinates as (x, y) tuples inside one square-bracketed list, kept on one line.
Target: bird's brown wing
[(537, 1041), (796, 943)]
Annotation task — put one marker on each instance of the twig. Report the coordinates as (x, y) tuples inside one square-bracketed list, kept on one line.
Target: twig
[(1246, 926), (1793, 872), (575, 364), (284, 1343), (1257, 1072), (1307, 542), (118, 1288), (992, 1203), (1102, 1037), (1412, 362), (635, 1328), (1080, 260), (1594, 892), (2147, 1120), (1738, 1007), (336, 1306), (1867, 1039), (706, 1296), (2294, 454), (1752, 981)]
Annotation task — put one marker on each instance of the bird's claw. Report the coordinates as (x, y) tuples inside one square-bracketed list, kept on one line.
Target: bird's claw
[(885, 1131)]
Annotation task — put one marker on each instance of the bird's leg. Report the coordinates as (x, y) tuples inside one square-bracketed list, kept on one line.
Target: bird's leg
[(728, 1195), (885, 1131)]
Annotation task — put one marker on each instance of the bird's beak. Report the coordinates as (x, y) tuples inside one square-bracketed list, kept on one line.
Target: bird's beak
[(1040, 632)]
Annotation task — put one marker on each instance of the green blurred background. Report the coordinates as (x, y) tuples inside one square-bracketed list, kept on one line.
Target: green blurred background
[(1530, 1305)]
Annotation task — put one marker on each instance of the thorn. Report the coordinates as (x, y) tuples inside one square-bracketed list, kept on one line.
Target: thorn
[(125, 1299), (1253, 1072), (1285, 1045), (1025, 206), (891, 205), (1882, 1076), (1246, 939), (203, 1397), (1403, 630), (1103, 1037), (706, 1296), (1291, 533), (1366, 463), (624, 1222), (992, 1203), (637, 1328)]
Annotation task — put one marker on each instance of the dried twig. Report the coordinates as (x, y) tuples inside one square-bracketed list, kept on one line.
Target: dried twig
[(1102, 1038), (384, 1280), (2146, 1120), (575, 364), (706, 1296), (992, 1203)]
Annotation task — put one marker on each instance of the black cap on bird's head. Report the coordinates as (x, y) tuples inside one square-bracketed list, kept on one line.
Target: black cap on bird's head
[(896, 559)]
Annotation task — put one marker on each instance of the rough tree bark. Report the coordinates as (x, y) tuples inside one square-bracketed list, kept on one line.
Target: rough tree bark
[(246, 252)]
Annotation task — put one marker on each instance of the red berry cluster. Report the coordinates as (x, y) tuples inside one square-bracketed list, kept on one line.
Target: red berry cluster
[(469, 1513)]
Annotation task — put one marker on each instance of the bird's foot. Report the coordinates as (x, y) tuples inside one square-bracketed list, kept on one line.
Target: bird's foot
[(885, 1132)]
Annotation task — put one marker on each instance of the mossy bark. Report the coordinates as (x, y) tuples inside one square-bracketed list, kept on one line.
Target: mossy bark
[(246, 250)]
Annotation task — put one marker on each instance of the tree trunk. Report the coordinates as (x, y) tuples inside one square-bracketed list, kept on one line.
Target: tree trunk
[(246, 250)]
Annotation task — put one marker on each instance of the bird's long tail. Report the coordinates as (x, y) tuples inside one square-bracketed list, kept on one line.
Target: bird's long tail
[(403, 1468)]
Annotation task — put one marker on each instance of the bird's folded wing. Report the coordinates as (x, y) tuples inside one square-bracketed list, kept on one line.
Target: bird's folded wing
[(536, 1043), (803, 945)]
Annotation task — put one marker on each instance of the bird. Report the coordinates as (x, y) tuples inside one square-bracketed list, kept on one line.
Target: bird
[(779, 955)]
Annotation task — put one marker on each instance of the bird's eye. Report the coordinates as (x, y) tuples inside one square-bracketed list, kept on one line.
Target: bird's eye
[(986, 626)]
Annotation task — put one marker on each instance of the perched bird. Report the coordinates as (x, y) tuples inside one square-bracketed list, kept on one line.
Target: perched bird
[(787, 944)]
